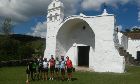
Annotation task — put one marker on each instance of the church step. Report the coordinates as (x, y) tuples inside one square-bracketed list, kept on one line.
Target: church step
[(83, 69)]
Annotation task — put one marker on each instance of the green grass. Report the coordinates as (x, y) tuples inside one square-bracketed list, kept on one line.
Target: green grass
[(16, 75)]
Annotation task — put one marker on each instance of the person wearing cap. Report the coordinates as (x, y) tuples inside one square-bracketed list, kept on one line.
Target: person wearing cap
[(62, 67), (69, 67)]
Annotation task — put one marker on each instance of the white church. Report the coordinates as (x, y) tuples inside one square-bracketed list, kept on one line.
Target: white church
[(90, 41)]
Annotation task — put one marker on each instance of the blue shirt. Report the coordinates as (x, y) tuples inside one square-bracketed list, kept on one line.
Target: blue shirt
[(62, 64)]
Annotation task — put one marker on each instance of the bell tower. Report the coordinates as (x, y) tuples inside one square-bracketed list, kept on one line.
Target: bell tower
[(54, 18), (55, 11)]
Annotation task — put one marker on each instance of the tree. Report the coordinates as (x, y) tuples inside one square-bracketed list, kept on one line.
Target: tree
[(6, 26), (25, 51), (38, 47), (9, 49), (127, 30), (136, 30)]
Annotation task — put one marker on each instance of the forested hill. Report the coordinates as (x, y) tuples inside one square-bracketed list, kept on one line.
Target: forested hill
[(25, 38), (17, 46)]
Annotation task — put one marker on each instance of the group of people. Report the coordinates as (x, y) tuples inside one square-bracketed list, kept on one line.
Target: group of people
[(40, 68)]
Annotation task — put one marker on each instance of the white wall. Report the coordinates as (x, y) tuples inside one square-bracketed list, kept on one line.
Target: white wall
[(106, 58), (133, 47)]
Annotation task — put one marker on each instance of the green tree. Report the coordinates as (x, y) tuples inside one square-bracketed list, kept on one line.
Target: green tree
[(9, 49), (6, 26), (127, 30), (25, 51), (135, 30), (38, 47)]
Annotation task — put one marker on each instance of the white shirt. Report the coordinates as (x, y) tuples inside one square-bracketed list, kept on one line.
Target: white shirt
[(57, 64), (45, 64)]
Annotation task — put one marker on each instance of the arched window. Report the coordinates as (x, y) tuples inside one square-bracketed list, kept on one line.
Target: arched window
[(50, 17), (56, 16), (53, 4)]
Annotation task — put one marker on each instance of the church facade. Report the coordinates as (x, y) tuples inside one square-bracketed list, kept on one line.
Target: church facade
[(89, 41)]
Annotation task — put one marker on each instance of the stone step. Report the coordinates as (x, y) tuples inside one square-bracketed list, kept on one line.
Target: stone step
[(83, 69), (129, 59)]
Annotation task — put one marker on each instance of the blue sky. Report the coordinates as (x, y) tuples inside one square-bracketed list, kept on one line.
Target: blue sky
[(25, 27), (29, 16)]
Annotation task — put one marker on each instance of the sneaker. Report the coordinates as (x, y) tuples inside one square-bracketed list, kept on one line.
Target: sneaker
[(52, 78)]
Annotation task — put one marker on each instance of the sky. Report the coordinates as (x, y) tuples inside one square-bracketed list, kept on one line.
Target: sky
[(29, 16)]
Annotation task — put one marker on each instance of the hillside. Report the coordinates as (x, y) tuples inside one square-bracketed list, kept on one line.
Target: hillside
[(19, 46)]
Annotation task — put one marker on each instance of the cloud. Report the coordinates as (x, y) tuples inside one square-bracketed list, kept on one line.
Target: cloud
[(22, 10), (70, 6), (39, 30), (96, 4), (138, 3), (120, 28), (139, 16)]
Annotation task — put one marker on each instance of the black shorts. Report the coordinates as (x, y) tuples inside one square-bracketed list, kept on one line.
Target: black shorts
[(56, 69), (40, 69), (34, 70), (27, 71), (45, 70), (69, 70), (62, 70), (52, 69)]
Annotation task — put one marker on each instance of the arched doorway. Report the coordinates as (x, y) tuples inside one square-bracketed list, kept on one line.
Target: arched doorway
[(75, 38)]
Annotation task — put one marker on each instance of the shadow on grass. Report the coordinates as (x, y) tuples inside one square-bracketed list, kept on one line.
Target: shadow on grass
[(74, 79)]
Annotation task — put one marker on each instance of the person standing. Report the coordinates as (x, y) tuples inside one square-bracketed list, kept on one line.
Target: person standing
[(29, 66), (35, 68), (45, 69), (27, 73), (52, 67), (62, 67), (69, 67), (40, 68), (32, 67), (57, 67)]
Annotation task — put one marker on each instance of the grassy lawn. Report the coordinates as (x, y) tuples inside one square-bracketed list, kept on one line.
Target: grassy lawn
[(16, 75)]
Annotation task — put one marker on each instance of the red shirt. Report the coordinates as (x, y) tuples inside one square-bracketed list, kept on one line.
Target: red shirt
[(52, 62), (69, 64)]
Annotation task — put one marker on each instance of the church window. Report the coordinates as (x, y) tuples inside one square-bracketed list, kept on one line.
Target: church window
[(56, 16), (50, 17), (84, 27), (54, 5)]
